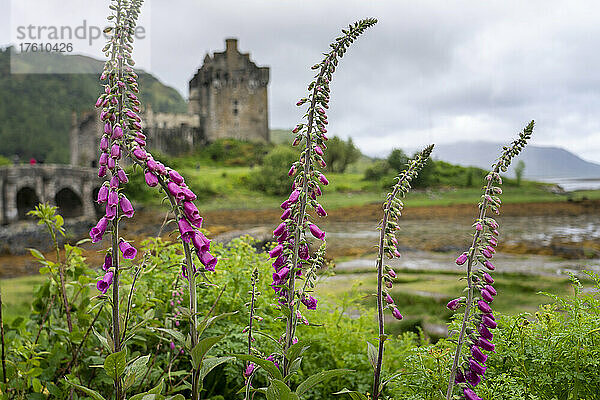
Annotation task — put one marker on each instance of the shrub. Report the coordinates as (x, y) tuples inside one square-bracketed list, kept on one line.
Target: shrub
[(272, 176)]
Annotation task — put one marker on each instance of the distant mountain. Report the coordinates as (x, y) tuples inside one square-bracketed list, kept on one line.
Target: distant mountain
[(36, 109), (540, 162)]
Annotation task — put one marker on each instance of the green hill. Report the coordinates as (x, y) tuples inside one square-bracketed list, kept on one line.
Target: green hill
[(36, 109)]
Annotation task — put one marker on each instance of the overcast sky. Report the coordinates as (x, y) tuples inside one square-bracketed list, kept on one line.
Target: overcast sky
[(429, 71)]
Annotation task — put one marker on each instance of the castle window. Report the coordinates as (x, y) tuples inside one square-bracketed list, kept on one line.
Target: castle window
[(235, 107)]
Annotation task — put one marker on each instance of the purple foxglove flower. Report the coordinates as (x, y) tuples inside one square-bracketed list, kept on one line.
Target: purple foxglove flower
[(488, 278), (484, 307), (388, 299), (279, 262), (132, 115), (310, 302), (280, 229), (191, 211), (292, 171), (485, 344), (122, 176), (486, 253), (113, 198), (284, 237), (396, 313), (321, 211), (103, 115), (99, 101), (140, 154), (103, 160), (304, 252), (323, 180), (491, 289), (478, 355), (115, 151), (392, 273), (316, 232), (117, 133), (490, 249), (280, 276), (208, 260), (286, 214), (107, 262), (197, 222), (487, 296), (489, 322), (141, 142), (151, 179), (248, 371), (162, 170), (322, 163), (489, 265), (479, 227), (103, 284), (276, 251), (476, 367), (102, 171), (102, 194), (172, 346), (484, 332), (319, 150), (200, 242), (317, 191), (111, 211), (97, 232), (454, 304), (175, 177), (470, 394), (104, 143), (461, 259), (388, 284), (294, 196), (397, 253), (137, 125), (151, 164), (114, 182), (285, 205), (112, 163), (188, 194), (472, 378), (129, 252), (126, 207), (174, 189), (459, 377), (296, 141), (272, 359), (495, 232), (493, 241), (185, 229), (313, 195)]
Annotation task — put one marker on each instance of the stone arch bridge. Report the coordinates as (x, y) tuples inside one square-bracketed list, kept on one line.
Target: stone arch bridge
[(72, 189)]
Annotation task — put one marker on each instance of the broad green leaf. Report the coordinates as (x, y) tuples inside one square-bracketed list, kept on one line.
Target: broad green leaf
[(174, 334), (129, 381), (318, 378), (372, 353), (95, 395), (200, 350), (267, 365), (37, 254), (296, 350), (138, 365), (354, 395), (210, 363), (114, 365), (278, 390), (208, 322), (295, 365), (152, 393)]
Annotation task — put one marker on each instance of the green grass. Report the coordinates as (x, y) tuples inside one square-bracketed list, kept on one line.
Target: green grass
[(17, 294)]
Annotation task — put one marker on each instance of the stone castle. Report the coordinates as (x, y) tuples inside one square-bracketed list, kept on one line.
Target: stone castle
[(227, 99)]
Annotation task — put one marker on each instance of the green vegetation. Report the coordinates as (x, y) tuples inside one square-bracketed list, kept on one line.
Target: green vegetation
[(36, 109), (550, 354)]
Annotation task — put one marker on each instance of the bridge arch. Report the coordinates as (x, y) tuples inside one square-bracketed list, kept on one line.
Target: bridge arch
[(26, 200), (69, 203)]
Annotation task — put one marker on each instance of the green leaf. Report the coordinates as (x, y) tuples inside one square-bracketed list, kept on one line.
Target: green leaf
[(318, 378), (114, 365), (178, 336), (295, 351), (278, 390), (95, 395), (210, 363), (267, 365), (37, 254), (372, 353), (137, 366), (151, 394), (176, 397), (200, 350), (354, 395), (208, 322)]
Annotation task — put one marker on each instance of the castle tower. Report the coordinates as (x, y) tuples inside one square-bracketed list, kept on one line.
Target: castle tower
[(229, 93)]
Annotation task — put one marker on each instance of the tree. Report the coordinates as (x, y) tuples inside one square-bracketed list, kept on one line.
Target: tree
[(340, 154), (397, 160), (272, 177), (519, 169)]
